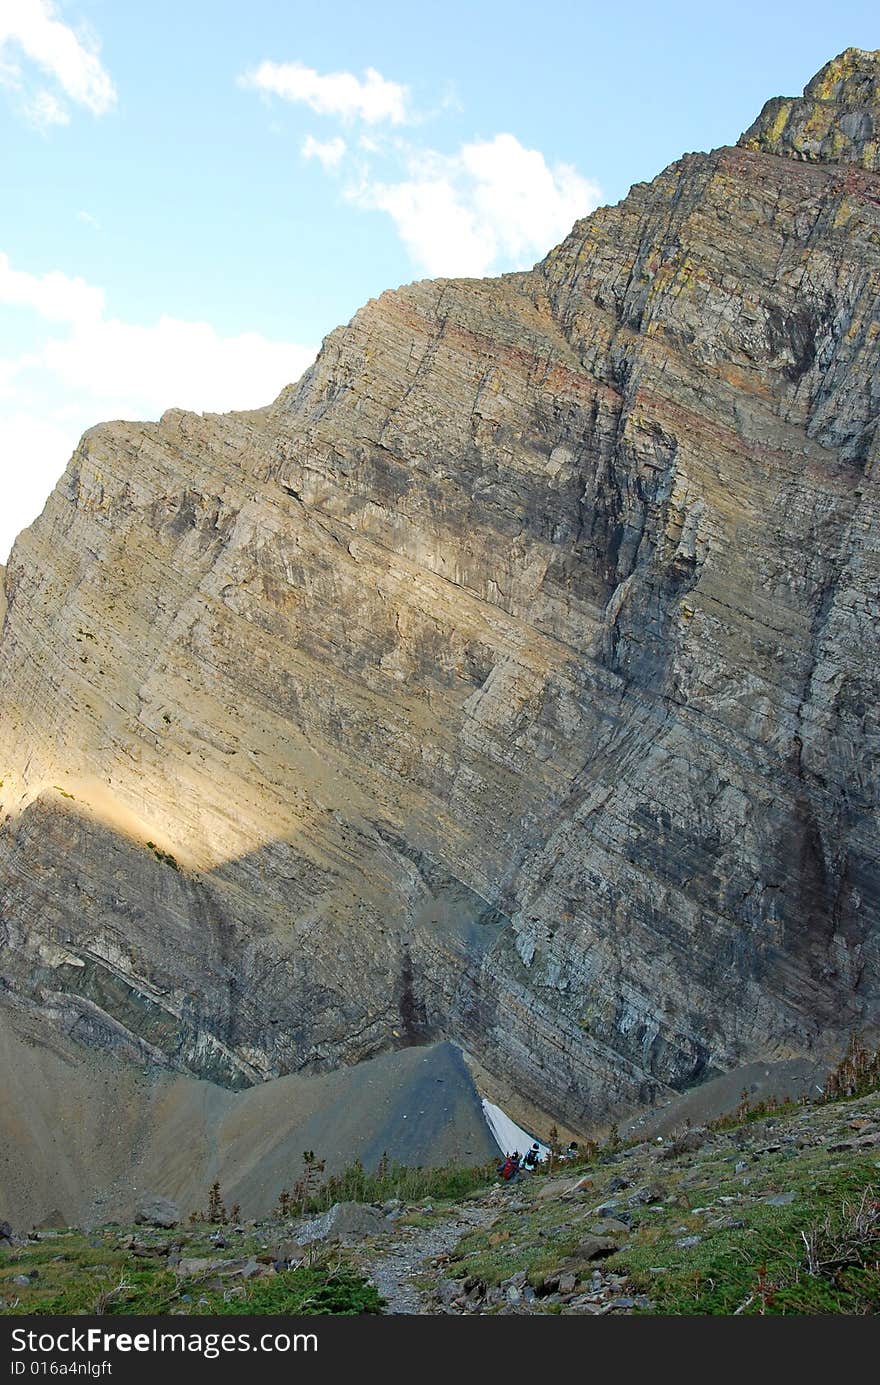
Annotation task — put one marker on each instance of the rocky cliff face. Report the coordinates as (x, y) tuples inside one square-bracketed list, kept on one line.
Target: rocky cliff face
[(512, 678)]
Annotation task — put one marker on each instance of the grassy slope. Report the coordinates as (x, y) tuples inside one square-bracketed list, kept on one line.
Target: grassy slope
[(817, 1252), (750, 1255), (73, 1273)]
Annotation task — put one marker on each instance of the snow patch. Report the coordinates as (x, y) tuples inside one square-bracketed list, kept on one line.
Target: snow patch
[(507, 1134)]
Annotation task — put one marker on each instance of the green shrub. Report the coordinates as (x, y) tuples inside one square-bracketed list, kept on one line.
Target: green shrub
[(354, 1184), (308, 1290)]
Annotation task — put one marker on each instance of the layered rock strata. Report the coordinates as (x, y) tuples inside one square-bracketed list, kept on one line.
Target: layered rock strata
[(512, 678)]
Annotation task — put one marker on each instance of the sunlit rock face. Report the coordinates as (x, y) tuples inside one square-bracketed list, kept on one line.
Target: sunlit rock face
[(511, 679)]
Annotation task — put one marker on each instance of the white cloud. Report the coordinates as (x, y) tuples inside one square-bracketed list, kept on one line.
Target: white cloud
[(144, 370), (89, 220), (440, 232), (44, 110), (54, 295), (33, 452), (493, 205), (104, 368), (30, 29), (373, 99), (328, 152), (9, 371), (527, 205)]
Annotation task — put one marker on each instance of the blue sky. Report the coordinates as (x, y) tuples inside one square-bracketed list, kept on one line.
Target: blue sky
[(192, 194)]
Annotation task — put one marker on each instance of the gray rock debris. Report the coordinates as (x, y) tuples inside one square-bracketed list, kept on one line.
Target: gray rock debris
[(346, 1222), (157, 1211)]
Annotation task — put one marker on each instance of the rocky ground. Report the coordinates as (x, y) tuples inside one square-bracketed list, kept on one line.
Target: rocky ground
[(399, 1272), (778, 1212), (688, 1224)]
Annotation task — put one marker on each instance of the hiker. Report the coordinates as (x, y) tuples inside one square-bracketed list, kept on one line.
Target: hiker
[(533, 1157), (572, 1151), (510, 1167)]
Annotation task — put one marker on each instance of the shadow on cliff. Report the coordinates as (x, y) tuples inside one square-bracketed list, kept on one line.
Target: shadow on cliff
[(255, 969), (268, 965)]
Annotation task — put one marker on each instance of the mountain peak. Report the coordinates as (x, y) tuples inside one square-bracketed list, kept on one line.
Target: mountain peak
[(837, 120)]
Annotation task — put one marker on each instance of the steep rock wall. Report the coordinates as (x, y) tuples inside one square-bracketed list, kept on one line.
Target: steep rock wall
[(512, 678)]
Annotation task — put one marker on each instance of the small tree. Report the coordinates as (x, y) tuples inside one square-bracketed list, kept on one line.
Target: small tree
[(354, 1180), (857, 1073), (310, 1182), (216, 1209), (555, 1146)]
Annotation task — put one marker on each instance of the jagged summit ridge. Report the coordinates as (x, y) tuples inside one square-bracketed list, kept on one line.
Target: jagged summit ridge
[(837, 120)]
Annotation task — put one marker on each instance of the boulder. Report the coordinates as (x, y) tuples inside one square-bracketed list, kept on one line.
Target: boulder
[(610, 1226), (345, 1222), (652, 1192), (617, 1184), (157, 1211), (560, 1187), (193, 1267), (621, 1301), (515, 1281), (596, 1247), (53, 1221), (288, 1253), (688, 1143)]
